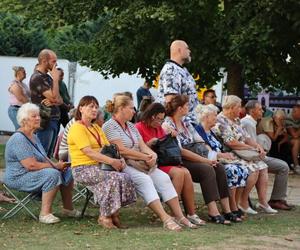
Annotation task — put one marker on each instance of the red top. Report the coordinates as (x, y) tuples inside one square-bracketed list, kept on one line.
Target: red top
[(148, 133)]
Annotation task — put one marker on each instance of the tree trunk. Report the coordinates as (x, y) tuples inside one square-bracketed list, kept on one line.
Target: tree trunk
[(235, 85)]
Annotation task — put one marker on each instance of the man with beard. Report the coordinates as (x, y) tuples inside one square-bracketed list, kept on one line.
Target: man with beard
[(44, 87), (176, 80)]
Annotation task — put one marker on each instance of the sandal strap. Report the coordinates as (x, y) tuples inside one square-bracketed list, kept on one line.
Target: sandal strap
[(170, 224)]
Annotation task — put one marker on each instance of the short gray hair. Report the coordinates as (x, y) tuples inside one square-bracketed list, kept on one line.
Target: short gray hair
[(24, 110), (203, 110), (251, 105), (231, 101)]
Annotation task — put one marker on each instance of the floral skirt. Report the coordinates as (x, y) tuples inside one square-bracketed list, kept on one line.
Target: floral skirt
[(237, 175), (111, 189)]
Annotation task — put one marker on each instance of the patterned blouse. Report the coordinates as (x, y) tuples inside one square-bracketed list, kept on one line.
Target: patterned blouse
[(175, 79)]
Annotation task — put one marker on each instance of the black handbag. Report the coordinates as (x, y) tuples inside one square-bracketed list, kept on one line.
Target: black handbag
[(111, 151), (198, 148), (168, 151)]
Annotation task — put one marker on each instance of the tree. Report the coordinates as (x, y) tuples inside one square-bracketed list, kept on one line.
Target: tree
[(251, 39), (20, 38)]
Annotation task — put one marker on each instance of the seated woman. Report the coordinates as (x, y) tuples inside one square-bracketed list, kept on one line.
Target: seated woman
[(111, 189), (28, 169), (281, 147), (150, 180), (233, 136), (207, 172), (236, 169), (151, 130)]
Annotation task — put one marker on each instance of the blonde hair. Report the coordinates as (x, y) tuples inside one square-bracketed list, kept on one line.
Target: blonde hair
[(231, 101), (120, 101), (279, 113), (202, 111)]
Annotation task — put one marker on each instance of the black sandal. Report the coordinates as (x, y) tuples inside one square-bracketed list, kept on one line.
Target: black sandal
[(219, 219), (232, 217), (239, 213)]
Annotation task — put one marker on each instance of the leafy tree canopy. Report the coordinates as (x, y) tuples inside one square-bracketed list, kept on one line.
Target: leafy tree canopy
[(251, 39), (20, 38)]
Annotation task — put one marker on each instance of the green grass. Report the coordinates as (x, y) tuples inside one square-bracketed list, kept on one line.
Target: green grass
[(2, 148), (145, 232)]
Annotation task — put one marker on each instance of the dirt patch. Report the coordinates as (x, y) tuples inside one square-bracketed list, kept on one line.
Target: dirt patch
[(259, 243)]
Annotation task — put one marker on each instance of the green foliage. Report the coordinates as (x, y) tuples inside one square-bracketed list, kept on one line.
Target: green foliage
[(254, 37), (20, 38)]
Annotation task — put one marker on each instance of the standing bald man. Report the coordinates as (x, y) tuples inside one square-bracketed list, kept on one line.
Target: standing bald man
[(175, 79), (44, 87)]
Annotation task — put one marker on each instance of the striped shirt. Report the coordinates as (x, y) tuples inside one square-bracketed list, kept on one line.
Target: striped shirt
[(130, 136)]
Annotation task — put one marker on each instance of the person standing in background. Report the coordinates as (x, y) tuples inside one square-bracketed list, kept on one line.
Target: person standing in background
[(67, 104), (19, 94), (176, 80), (45, 92), (143, 92)]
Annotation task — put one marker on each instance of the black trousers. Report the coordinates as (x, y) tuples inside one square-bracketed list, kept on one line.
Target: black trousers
[(213, 180)]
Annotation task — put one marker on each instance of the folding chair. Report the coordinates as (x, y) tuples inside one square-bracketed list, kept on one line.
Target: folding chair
[(21, 203), (85, 193)]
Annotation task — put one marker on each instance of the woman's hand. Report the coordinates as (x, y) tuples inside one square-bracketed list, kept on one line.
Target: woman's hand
[(227, 156), (212, 163), (118, 164), (60, 165), (151, 161)]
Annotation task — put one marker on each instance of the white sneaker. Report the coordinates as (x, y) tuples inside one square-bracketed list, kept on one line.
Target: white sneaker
[(248, 210), (48, 219), (297, 169), (266, 209)]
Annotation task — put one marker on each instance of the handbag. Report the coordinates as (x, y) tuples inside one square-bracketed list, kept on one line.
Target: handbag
[(111, 151), (247, 154), (45, 114), (197, 148), (168, 151), (139, 165)]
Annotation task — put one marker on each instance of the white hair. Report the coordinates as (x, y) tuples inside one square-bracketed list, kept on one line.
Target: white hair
[(202, 111), (25, 110), (231, 101)]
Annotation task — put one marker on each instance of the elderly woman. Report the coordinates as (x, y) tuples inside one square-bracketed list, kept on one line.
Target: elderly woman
[(28, 169), (151, 130), (236, 169), (204, 170), (233, 136), (111, 189), (150, 180), (19, 94)]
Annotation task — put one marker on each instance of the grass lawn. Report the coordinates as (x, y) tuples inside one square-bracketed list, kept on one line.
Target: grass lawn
[(281, 231), (263, 231)]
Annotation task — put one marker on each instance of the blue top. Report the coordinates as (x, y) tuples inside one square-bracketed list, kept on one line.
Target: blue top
[(141, 92)]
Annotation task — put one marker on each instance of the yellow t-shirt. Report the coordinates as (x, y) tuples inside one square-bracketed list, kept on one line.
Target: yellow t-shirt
[(79, 137)]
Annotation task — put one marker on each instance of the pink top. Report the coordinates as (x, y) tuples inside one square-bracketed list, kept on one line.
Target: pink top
[(148, 133), (12, 98)]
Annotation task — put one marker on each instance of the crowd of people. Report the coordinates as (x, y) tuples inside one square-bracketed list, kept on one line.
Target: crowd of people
[(227, 156)]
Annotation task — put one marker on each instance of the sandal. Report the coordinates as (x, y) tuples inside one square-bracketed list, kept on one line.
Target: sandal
[(219, 219), (106, 223), (117, 222), (232, 217), (196, 220), (5, 198), (239, 213), (184, 222), (171, 225)]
